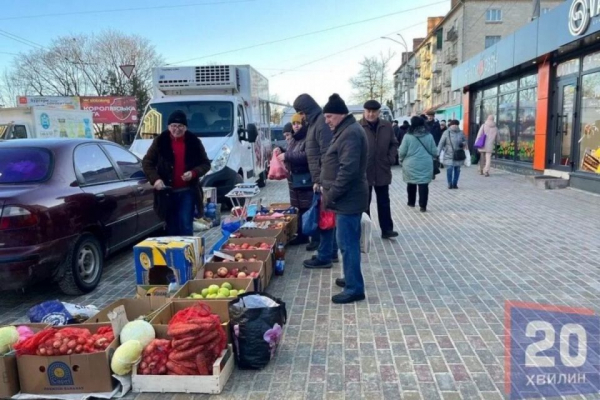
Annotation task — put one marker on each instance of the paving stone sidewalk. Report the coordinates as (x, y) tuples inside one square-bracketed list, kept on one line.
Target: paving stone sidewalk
[(432, 326)]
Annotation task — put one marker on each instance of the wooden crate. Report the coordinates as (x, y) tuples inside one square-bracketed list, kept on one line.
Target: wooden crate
[(212, 384)]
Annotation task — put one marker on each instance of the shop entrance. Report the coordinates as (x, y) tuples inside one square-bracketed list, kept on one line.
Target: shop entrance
[(564, 120)]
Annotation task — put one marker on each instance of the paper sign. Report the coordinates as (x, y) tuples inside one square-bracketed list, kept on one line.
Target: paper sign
[(118, 319)]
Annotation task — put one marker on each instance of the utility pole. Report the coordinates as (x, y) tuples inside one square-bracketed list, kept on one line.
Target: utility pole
[(407, 67), (536, 9)]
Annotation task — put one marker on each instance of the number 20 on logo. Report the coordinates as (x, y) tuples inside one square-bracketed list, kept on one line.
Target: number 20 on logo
[(551, 350)]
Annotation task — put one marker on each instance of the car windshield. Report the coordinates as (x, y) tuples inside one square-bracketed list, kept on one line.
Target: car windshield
[(204, 118), (4, 132), (24, 165), (277, 134)]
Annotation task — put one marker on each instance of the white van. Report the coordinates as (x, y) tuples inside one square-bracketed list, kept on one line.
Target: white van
[(45, 123), (227, 108)]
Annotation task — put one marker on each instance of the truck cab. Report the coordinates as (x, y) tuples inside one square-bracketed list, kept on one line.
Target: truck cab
[(17, 130), (226, 108)]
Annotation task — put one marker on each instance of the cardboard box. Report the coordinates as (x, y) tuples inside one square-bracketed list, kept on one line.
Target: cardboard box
[(196, 286), (157, 258), (134, 308), (266, 256), (279, 234), (77, 373), (258, 285), (213, 384), (271, 241), (9, 373)]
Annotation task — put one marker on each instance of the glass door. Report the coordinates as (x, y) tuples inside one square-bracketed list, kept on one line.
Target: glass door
[(564, 125)]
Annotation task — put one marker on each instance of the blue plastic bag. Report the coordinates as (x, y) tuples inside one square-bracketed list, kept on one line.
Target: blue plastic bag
[(228, 226), (310, 219), (51, 312)]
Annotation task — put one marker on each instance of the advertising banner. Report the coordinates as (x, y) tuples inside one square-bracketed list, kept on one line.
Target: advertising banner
[(62, 102), (110, 109)]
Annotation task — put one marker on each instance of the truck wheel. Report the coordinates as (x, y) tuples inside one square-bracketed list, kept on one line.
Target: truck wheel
[(83, 266), (262, 181)]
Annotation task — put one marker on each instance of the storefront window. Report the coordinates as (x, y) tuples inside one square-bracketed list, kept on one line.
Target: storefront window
[(490, 92), (591, 61), (490, 107), (589, 143), (508, 87), (530, 80), (526, 134), (507, 126), (568, 68)]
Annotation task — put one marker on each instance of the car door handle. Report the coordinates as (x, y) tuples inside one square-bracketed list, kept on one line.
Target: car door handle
[(141, 190), (100, 197)]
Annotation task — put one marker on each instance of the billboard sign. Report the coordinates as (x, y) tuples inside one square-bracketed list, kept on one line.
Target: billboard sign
[(111, 109), (61, 102)]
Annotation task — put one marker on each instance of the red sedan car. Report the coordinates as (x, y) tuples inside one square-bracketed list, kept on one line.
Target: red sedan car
[(65, 205)]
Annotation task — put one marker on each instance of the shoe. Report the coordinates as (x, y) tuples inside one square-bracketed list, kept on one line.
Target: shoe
[(480, 172), (341, 282), (343, 298), (455, 187), (423, 209), (487, 174), (315, 263), (450, 187), (334, 260), (298, 241), (312, 246), (410, 205), (389, 234)]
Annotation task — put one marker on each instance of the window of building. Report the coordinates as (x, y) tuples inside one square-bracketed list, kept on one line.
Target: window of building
[(507, 126), (591, 61), (439, 39), (508, 86), (527, 81), (491, 40), (493, 15), (589, 143), (526, 125), (568, 68)]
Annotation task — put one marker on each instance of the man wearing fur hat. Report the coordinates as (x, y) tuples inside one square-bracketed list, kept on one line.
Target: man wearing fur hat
[(346, 191)]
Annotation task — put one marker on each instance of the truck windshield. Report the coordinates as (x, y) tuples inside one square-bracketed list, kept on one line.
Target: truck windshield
[(204, 118), (4, 132)]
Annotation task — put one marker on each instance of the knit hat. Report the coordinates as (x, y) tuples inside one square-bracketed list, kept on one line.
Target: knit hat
[(372, 105), (287, 128), (296, 118), (177, 117), (335, 105)]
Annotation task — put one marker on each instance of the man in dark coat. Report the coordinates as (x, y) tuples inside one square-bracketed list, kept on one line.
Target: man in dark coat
[(345, 191), (174, 164), (318, 138), (402, 131), (433, 126), (383, 151)]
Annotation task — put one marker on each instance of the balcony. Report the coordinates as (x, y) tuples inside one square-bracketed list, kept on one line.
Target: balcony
[(426, 74), (452, 34), (426, 57), (436, 68), (447, 82), (451, 57)]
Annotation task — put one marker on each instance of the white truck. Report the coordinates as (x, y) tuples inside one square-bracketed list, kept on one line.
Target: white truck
[(45, 123), (227, 108)]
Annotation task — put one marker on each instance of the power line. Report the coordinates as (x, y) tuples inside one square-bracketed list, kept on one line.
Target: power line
[(124, 10), (308, 33), (20, 39), (344, 50)]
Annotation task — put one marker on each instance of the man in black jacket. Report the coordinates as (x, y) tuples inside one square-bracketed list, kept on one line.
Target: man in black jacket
[(174, 164), (433, 126), (345, 191), (317, 142)]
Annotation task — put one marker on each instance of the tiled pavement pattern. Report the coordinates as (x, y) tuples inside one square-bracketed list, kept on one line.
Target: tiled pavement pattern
[(432, 325)]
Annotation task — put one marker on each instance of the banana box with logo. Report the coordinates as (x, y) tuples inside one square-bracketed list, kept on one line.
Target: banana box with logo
[(75, 373), (159, 259)]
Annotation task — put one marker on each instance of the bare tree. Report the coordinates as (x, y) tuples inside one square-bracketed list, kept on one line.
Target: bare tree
[(373, 81)]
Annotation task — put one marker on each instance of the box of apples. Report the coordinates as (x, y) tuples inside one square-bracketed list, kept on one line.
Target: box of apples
[(254, 243), (278, 232), (264, 256), (237, 270)]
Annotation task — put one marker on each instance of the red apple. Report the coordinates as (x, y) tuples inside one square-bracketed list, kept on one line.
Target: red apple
[(234, 271), (245, 246), (241, 260), (242, 275), (208, 275), (222, 272)]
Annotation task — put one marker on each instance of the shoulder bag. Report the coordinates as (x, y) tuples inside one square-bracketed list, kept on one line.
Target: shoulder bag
[(436, 162), (457, 155)]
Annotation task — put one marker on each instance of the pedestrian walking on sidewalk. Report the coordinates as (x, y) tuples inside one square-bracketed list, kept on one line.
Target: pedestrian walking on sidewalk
[(318, 138), (490, 131), (299, 180), (174, 164), (382, 153), (416, 154), (433, 126), (452, 140), (346, 191)]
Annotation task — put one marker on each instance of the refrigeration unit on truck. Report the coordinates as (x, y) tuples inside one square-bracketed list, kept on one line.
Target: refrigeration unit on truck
[(45, 123), (227, 108)]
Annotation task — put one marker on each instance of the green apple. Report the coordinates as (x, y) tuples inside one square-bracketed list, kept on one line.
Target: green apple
[(213, 289), (227, 285), (241, 291), (205, 292), (197, 296), (221, 296), (233, 293), (212, 296), (224, 292)]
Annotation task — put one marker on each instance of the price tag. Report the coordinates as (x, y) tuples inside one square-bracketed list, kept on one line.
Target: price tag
[(551, 351), (118, 319)]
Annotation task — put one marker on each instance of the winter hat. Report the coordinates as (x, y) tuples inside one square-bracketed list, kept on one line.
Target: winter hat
[(372, 105), (335, 105), (296, 118), (287, 128), (177, 117), (453, 122)]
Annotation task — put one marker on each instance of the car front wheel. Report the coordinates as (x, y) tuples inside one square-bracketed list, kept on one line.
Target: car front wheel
[(83, 266)]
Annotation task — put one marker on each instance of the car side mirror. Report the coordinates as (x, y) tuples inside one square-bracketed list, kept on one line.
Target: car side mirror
[(251, 133)]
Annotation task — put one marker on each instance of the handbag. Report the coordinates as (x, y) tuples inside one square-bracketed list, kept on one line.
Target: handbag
[(301, 180), (457, 155), (436, 162), (310, 219), (480, 143)]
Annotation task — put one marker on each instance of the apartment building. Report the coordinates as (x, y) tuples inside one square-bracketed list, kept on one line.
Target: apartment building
[(470, 27)]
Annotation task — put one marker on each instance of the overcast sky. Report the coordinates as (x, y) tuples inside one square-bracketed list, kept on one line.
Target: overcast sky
[(202, 28)]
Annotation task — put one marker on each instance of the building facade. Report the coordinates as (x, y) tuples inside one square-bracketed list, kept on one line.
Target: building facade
[(542, 85), (470, 27)]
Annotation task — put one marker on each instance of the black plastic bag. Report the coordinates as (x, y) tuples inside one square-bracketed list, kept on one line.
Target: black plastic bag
[(256, 323)]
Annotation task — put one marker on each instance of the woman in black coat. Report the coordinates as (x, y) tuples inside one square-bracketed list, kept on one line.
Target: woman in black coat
[(299, 181)]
